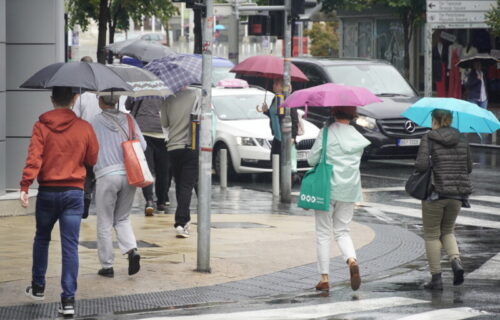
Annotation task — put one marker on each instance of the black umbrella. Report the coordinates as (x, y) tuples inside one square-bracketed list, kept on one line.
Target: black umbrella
[(485, 59), (144, 50), (83, 75)]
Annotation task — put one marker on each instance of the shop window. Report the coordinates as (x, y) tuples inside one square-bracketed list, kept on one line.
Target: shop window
[(390, 42)]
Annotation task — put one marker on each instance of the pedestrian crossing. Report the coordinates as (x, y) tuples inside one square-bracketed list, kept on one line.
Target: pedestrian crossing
[(344, 308)]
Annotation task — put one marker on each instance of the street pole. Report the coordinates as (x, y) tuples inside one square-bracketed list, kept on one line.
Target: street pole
[(286, 124), (428, 60), (205, 157), (234, 34)]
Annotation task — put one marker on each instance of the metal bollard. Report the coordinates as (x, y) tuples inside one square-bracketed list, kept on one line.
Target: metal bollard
[(223, 168), (276, 175)]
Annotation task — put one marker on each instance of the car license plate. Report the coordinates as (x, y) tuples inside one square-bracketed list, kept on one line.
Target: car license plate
[(302, 155), (408, 142)]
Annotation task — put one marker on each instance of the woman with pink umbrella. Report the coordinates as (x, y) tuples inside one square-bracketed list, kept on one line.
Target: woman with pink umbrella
[(344, 148)]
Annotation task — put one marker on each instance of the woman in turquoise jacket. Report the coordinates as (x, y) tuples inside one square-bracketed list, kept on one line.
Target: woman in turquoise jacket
[(345, 147)]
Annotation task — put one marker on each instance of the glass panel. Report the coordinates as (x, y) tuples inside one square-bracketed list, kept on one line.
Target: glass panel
[(350, 34), (378, 79), (157, 25), (390, 45), (365, 39), (147, 24)]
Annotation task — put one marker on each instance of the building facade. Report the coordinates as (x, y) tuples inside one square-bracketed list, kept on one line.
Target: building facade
[(31, 37)]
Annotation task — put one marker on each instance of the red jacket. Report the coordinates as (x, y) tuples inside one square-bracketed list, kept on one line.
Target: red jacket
[(61, 146)]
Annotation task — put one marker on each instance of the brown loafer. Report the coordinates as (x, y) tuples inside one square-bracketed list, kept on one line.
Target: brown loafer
[(355, 276), (323, 286)]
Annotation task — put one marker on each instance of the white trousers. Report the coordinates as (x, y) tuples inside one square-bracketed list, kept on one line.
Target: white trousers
[(114, 199), (337, 222)]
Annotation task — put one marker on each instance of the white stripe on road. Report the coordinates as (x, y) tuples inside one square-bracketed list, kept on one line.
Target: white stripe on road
[(417, 213), (383, 177), (446, 314), (384, 189), (486, 198), (305, 312), (488, 271), (379, 214), (474, 207)]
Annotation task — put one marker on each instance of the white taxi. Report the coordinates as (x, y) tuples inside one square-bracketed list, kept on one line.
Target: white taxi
[(245, 132)]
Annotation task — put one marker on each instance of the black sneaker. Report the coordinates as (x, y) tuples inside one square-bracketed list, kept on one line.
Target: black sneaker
[(35, 292), (106, 272), (67, 307), (160, 208), (149, 209), (133, 262)]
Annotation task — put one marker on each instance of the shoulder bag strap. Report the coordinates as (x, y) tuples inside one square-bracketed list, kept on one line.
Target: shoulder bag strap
[(429, 142), (131, 128), (324, 143)]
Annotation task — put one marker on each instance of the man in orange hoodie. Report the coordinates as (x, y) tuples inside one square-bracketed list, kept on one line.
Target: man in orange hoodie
[(61, 146)]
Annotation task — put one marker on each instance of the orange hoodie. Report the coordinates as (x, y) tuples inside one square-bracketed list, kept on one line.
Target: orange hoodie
[(61, 146)]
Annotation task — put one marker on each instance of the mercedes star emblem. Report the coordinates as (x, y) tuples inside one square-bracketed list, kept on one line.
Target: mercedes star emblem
[(410, 126)]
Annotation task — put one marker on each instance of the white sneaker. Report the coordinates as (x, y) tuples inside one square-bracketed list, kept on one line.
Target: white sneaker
[(182, 232)]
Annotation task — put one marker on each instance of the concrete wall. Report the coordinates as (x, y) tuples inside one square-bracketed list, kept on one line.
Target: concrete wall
[(34, 39)]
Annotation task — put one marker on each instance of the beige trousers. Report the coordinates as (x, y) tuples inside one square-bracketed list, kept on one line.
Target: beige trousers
[(439, 218)]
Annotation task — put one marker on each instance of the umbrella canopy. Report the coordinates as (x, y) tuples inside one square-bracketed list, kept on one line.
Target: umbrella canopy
[(177, 71), (117, 46), (485, 59), (331, 95), (145, 50), (84, 75), (220, 27), (467, 116), (269, 67), (143, 82)]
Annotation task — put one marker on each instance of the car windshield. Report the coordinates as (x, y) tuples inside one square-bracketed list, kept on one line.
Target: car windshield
[(240, 107), (379, 79), (221, 73)]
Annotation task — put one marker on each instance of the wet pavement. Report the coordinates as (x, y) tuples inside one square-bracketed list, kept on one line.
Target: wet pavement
[(393, 262)]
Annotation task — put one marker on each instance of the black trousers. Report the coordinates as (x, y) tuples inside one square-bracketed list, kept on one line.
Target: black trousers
[(184, 163), (158, 162), (88, 189)]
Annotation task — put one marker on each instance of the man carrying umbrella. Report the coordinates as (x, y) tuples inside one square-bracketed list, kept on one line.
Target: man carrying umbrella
[(61, 146), (476, 85)]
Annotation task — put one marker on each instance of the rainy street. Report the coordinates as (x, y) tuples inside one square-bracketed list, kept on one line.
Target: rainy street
[(395, 293)]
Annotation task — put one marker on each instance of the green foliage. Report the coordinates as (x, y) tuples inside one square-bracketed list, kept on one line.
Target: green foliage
[(162, 9), (356, 5), (324, 39), (493, 19), (81, 12)]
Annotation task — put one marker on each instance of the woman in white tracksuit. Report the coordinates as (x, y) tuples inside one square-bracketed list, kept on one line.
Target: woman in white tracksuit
[(345, 147)]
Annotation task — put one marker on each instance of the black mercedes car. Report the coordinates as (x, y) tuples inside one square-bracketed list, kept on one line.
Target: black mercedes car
[(391, 135)]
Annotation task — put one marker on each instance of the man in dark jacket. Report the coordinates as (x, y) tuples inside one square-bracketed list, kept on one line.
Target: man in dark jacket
[(476, 85), (147, 114)]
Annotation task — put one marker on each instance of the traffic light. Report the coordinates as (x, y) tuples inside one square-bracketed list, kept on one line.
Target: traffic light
[(300, 6), (258, 25)]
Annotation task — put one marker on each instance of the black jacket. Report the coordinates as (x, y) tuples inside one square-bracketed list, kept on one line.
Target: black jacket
[(474, 85), (293, 115), (451, 160)]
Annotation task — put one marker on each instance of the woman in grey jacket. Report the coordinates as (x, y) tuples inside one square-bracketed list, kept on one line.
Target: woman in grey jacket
[(451, 165), (114, 196)]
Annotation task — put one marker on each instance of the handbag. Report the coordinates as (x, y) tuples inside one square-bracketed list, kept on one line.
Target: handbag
[(316, 185), (419, 184), (134, 159)]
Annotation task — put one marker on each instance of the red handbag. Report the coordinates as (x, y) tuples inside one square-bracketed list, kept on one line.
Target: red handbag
[(136, 166)]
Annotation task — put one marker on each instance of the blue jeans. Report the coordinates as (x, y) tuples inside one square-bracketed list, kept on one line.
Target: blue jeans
[(67, 207)]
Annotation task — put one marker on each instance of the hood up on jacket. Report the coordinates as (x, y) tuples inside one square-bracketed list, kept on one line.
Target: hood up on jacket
[(448, 137), (110, 118), (58, 120), (349, 139)]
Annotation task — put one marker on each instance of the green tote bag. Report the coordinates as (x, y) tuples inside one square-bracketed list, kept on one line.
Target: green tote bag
[(316, 185)]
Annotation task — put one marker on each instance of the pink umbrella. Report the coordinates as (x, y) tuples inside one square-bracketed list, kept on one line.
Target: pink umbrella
[(269, 67), (331, 95)]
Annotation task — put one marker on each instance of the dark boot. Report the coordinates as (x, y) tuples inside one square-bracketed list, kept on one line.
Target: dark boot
[(458, 272), (436, 282)]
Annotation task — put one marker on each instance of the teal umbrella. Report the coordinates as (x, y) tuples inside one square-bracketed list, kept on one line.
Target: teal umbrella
[(467, 116)]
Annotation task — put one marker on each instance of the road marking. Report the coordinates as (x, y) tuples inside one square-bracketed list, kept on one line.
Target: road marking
[(488, 271), (486, 198), (474, 207), (417, 213), (305, 312), (446, 314), (383, 177), (384, 189), (379, 214)]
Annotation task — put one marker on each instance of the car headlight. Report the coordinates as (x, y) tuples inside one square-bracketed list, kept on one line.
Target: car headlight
[(366, 122), (263, 143), (246, 141)]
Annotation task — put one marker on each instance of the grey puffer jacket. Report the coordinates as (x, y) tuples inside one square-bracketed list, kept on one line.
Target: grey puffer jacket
[(451, 161)]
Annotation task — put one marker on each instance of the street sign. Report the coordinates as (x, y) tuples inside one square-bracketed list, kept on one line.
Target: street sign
[(456, 6), (458, 12)]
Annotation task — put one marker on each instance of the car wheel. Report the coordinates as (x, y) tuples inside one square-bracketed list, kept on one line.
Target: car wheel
[(217, 156)]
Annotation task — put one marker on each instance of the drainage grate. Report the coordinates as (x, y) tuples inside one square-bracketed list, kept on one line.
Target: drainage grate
[(140, 244)]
